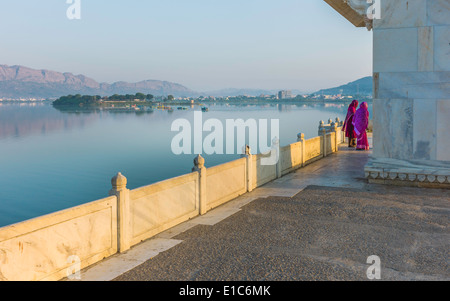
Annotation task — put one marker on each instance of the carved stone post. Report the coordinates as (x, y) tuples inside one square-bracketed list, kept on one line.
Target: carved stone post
[(340, 131), (199, 166), (119, 189), (321, 127), (324, 135), (301, 138), (334, 129), (249, 156), (276, 148)]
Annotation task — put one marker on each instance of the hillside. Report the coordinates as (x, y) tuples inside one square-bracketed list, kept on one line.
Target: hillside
[(19, 81), (363, 86)]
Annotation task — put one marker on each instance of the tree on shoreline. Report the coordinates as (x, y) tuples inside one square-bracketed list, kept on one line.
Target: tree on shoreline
[(79, 99)]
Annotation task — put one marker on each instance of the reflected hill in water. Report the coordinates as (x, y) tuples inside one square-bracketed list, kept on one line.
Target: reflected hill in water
[(26, 119)]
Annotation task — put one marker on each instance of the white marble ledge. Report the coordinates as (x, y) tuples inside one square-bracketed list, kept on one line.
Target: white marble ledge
[(428, 165), (411, 177), (392, 169)]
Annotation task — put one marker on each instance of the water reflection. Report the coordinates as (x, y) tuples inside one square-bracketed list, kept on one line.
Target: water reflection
[(27, 119)]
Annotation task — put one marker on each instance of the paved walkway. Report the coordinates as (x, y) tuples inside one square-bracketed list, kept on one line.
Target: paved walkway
[(321, 222)]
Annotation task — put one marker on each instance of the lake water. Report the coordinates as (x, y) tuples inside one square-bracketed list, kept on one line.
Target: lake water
[(52, 160)]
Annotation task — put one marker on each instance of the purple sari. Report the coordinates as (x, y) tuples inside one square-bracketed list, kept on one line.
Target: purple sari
[(361, 123)]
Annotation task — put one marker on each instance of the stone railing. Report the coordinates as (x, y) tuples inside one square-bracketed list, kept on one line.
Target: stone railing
[(330, 126), (53, 247)]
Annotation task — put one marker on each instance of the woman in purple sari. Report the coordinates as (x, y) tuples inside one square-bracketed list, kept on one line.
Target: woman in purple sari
[(348, 128), (361, 122)]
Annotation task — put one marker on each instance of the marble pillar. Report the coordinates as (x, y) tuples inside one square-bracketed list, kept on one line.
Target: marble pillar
[(411, 65)]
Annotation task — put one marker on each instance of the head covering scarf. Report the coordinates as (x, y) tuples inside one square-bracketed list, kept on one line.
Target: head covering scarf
[(349, 118)]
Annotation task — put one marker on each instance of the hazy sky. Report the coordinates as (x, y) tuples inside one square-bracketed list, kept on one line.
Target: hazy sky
[(202, 44)]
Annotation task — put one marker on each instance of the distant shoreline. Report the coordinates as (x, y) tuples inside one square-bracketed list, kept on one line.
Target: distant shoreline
[(203, 102)]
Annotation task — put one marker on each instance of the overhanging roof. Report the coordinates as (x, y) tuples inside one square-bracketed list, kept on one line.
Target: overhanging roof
[(347, 12)]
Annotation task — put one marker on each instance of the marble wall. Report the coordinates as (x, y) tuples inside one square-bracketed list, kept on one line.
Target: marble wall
[(225, 182), (43, 248), (412, 81)]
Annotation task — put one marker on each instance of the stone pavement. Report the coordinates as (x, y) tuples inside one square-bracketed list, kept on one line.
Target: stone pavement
[(321, 222)]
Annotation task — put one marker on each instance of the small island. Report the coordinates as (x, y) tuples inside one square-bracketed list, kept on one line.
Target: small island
[(97, 100), (138, 102)]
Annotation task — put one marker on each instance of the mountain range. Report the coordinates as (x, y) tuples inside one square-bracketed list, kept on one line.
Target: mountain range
[(23, 82)]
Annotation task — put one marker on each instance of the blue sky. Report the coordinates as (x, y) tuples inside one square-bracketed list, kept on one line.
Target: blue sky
[(202, 44)]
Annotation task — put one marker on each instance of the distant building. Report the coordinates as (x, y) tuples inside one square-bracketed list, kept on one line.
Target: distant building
[(285, 94)]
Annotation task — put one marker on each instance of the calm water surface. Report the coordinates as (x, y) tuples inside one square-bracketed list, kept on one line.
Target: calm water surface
[(52, 160)]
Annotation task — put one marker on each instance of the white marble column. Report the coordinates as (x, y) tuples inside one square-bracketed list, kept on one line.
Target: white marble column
[(411, 67)]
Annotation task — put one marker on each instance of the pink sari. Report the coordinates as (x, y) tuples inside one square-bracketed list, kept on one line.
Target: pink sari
[(348, 124), (361, 122)]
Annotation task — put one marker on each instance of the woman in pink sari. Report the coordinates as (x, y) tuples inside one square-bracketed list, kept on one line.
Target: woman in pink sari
[(361, 123), (348, 128)]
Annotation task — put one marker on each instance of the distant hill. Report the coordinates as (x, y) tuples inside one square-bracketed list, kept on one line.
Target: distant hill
[(363, 86), (239, 92), (246, 92), (19, 81)]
